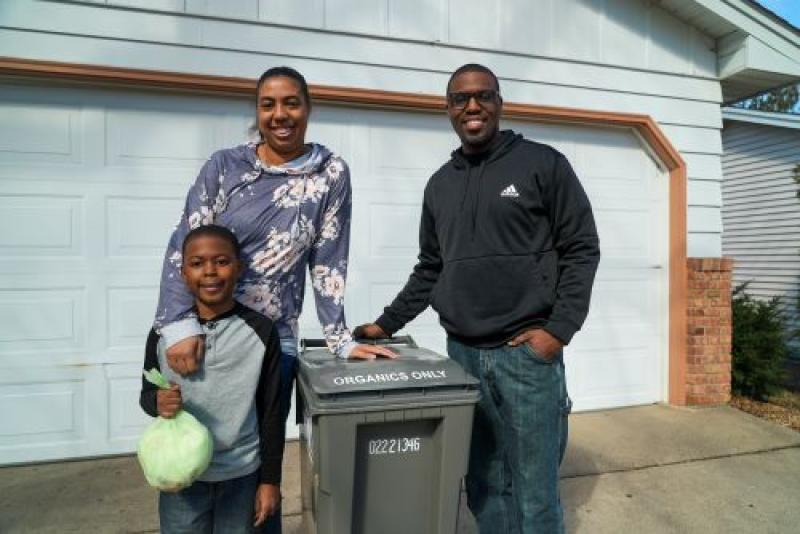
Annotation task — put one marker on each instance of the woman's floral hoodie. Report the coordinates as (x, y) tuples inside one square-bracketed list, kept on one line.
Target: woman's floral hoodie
[(286, 218)]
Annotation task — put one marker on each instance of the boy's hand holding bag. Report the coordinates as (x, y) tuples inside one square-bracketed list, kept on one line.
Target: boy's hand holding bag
[(173, 452)]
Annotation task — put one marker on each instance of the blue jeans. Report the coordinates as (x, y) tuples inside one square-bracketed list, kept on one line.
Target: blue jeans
[(519, 435), (288, 371), (206, 507)]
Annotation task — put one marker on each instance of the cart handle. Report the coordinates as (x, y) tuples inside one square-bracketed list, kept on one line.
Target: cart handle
[(399, 340)]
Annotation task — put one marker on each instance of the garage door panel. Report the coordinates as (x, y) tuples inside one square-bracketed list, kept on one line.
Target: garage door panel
[(623, 301), (632, 380), (130, 315), (386, 242), (40, 133), (613, 336), (611, 153), (42, 411), (611, 192), (45, 410), (621, 234), (41, 225), (140, 226), (122, 180), (407, 147), (620, 191), (557, 136), (592, 151), (126, 420), (58, 412), (143, 138), (384, 230), (39, 319), (333, 128)]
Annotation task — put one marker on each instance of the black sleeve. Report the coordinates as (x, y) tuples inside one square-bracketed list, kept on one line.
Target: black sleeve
[(578, 246), (415, 296), (271, 426), (147, 398)]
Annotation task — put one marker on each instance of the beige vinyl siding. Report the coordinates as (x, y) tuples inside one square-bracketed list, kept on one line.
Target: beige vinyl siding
[(761, 213)]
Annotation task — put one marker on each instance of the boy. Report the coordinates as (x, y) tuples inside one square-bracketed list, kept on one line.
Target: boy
[(235, 393)]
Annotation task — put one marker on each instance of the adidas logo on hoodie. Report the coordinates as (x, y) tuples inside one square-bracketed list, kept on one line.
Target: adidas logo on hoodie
[(510, 192)]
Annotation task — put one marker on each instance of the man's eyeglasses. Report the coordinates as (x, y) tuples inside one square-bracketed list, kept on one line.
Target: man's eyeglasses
[(483, 98)]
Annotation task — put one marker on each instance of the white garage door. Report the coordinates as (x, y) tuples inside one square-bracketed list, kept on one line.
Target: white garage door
[(91, 182)]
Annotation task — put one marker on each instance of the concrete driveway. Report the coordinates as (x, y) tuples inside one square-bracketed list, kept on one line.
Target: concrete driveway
[(653, 469)]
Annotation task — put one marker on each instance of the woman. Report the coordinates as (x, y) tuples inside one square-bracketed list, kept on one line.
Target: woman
[(288, 203)]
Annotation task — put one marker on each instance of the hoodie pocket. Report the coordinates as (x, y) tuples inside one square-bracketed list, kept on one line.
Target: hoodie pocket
[(483, 296)]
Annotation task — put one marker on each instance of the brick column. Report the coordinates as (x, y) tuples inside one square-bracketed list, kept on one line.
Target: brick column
[(708, 369)]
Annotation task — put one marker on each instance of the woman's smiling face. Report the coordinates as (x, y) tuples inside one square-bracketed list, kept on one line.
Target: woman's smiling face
[(282, 119)]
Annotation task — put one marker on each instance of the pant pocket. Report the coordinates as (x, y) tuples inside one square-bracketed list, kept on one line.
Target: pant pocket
[(536, 356)]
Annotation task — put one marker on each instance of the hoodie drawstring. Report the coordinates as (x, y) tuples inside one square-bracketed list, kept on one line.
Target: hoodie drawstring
[(475, 203), (466, 187)]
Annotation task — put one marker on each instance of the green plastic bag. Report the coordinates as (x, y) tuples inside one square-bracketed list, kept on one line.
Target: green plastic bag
[(173, 452)]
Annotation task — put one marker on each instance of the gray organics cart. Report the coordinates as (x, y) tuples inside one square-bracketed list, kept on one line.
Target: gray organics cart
[(384, 443)]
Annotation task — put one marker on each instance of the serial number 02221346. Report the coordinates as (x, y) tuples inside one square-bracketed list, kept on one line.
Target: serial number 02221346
[(394, 445)]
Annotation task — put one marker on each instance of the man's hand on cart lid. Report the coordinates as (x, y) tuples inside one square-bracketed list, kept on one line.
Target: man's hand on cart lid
[(369, 331)]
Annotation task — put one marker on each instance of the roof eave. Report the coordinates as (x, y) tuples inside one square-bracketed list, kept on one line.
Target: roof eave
[(756, 50), (766, 118)]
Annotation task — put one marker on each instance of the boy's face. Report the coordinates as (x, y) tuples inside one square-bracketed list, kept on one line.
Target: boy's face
[(210, 269)]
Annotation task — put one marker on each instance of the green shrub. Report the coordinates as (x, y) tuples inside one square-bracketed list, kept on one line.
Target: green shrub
[(758, 346)]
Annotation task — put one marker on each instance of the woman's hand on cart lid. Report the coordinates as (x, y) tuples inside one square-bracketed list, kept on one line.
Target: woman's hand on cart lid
[(370, 352)]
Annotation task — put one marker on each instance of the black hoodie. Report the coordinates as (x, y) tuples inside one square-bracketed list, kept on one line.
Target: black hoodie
[(507, 242)]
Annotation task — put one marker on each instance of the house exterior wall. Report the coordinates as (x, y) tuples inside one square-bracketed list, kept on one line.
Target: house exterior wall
[(761, 213), (610, 55), (123, 130)]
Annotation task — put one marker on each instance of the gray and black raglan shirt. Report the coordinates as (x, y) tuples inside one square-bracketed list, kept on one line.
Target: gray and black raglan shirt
[(235, 394)]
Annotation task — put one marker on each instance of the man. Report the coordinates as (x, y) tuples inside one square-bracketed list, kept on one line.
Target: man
[(508, 254)]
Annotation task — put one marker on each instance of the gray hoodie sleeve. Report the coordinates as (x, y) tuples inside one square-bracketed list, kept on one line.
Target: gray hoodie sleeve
[(174, 317), (328, 260)]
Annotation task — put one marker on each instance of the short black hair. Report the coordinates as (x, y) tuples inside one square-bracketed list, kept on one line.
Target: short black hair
[(287, 72), (473, 67), (212, 230)]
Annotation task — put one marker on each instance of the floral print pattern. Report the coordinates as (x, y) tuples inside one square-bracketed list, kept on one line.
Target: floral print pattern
[(264, 298), (309, 189), (328, 282), (204, 215), (287, 219)]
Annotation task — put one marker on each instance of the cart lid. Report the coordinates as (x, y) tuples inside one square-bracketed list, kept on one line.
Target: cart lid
[(415, 369)]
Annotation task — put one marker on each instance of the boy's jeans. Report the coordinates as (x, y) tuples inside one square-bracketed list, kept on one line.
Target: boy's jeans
[(206, 507), (519, 435)]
